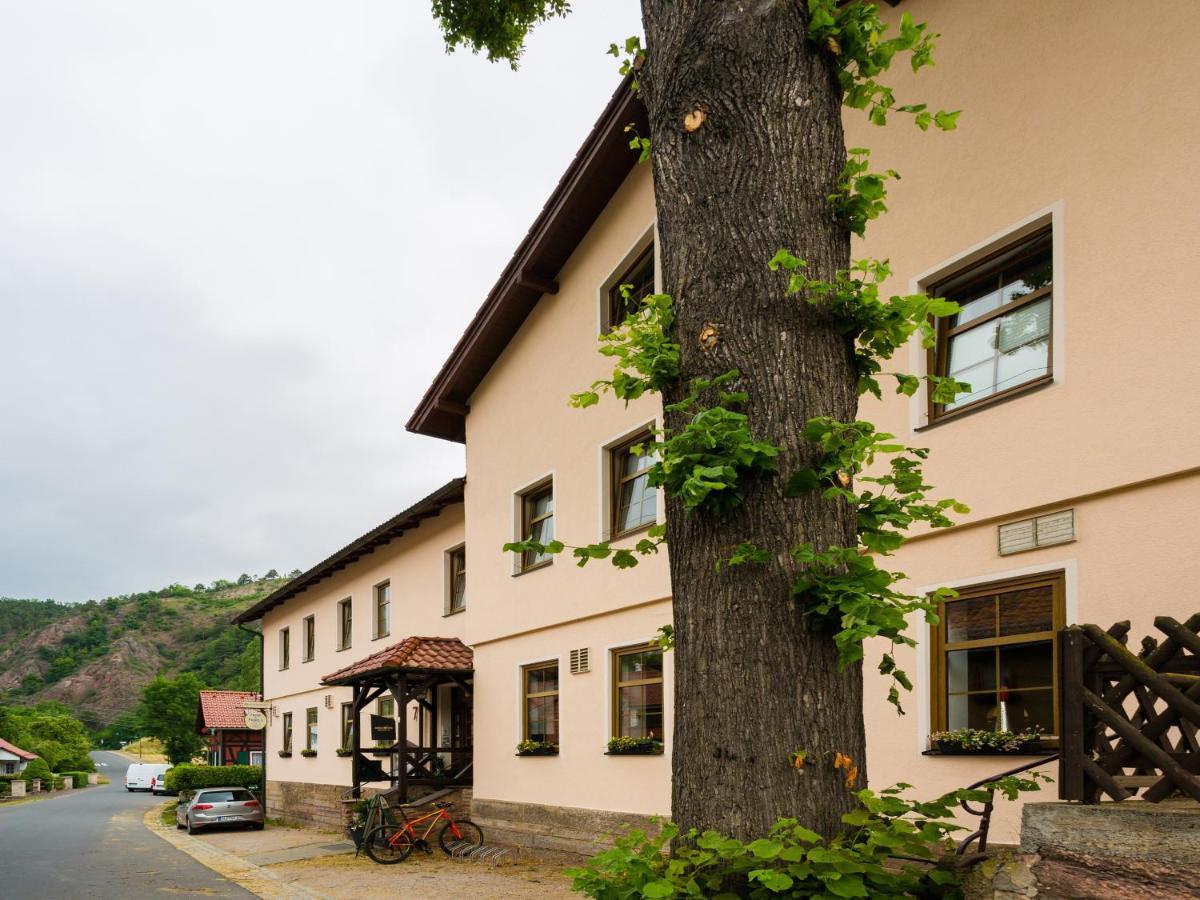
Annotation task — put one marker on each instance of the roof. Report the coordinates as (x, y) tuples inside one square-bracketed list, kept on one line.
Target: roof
[(421, 653), (224, 709), (447, 495), (593, 176), (16, 751)]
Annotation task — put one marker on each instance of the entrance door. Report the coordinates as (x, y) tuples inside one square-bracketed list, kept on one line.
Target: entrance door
[(462, 729)]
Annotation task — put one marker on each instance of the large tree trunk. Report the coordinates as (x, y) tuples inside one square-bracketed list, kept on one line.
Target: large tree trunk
[(753, 680)]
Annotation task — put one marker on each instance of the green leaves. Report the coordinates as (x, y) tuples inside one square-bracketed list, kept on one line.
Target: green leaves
[(645, 359), (861, 194), (879, 853), (632, 48), (499, 29), (853, 34)]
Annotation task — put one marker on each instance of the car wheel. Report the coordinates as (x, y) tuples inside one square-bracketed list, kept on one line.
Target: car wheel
[(179, 826), (190, 827)]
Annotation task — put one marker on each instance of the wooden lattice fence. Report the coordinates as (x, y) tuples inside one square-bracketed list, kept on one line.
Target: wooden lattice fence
[(1130, 720)]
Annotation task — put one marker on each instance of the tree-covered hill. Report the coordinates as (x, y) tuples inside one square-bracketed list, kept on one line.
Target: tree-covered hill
[(96, 657)]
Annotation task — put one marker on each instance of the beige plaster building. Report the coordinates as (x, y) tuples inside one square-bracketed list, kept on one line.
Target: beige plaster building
[(1054, 215)]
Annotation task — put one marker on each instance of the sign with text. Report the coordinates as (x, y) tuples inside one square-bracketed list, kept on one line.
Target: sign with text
[(383, 728)]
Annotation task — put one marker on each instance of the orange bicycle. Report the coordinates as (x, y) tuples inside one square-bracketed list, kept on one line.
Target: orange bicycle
[(393, 843)]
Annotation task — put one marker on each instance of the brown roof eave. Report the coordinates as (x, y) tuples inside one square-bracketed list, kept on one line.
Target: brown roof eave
[(594, 175), (448, 494)]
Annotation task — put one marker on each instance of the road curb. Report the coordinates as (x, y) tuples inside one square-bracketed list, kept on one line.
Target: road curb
[(255, 879)]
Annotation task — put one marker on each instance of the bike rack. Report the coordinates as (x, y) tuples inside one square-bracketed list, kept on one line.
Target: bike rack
[(468, 852)]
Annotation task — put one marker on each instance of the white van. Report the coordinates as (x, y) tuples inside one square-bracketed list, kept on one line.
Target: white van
[(145, 776)]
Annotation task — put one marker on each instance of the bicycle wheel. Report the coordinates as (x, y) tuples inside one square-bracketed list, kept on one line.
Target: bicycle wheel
[(460, 834), (388, 844)]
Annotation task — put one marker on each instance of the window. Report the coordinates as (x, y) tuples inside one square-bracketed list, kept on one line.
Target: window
[(345, 622), (638, 283), (457, 601), (634, 500), (285, 648), (310, 732), (383, 609), (387, 710), (999, 340), (541, 702), (310, 638), (537, 523), (638, 693), (995, 659), (347, 726), (256, 757), (287, 732)]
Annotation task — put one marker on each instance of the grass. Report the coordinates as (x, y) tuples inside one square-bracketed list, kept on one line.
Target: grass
[(150, 750), (167, 813)]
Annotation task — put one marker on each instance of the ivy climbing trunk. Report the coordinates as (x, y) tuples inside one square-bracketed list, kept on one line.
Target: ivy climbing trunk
[(745, 125)]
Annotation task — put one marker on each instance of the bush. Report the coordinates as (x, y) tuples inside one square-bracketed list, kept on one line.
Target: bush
[(873, 857), (78, 779), (620, 746), (37, 768), (190, 778)]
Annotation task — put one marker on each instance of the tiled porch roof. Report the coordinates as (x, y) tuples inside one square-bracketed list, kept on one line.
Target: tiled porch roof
[(224, 709), (424, 653), (17, 751)]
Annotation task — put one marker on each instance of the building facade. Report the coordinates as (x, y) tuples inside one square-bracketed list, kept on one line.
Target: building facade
[(221, 723), (1052, 216)]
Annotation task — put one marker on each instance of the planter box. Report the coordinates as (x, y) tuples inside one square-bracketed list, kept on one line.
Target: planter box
[(541, 751), (1027, 748)]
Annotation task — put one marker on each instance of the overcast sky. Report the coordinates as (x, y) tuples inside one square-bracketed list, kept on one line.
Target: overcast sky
[(237, 240)]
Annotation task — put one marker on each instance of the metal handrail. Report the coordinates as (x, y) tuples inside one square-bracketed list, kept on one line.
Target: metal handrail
[(985, 814)]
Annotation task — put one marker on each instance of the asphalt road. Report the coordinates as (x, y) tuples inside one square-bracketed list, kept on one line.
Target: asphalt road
[(92, 844)]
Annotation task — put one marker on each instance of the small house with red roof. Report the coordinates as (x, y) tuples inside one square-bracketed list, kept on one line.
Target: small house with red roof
[(13, 759), (221, 719)]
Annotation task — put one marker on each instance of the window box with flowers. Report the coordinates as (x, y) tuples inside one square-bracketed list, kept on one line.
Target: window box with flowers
[(344, 751), (977, 742), (285, 754), (308, 753), (537, 748), (631, 746)]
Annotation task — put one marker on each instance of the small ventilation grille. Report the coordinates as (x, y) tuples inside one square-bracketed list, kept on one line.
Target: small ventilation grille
[(1044, 531), (580, 662), (329, 701)]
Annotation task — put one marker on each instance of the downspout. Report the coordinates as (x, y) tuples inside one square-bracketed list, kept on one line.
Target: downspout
[(262, 695)]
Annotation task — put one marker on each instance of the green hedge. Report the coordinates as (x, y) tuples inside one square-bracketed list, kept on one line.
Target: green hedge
[(190, 778), (78, 779)]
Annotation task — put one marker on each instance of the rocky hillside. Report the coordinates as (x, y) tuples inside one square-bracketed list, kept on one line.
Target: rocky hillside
[(96, 657)]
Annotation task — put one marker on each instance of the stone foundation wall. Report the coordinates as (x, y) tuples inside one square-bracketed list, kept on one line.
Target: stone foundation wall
[(321, 805), (551, 831), (1124, 851)]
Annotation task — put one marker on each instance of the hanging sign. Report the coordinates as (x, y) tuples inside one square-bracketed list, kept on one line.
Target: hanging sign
[(383, 728), (256, 720)]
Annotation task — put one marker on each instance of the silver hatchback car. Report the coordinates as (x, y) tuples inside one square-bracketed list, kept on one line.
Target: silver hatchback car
[(207, 807)]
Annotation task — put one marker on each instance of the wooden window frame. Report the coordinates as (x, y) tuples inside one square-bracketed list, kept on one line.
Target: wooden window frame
[(376, 594), (617, 479), (617, 684), (528, 521), (285, 648), (991, 266), (347, 726), (615, 300), (308, 632), (453, 568), (939, 646), (312, 721), (526, 696), (345, 623), (287, 732)]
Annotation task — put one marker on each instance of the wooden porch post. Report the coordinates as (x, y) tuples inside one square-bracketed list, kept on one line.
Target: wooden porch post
[(402, 737), (356, 748)]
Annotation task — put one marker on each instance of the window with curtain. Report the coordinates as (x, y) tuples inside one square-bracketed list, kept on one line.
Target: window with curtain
[(310, 638), (347, 726), (345, 623), (537, 523), (541, 702), (383, 609), (638, 693), (287, 732), (995, 657), (310, 734), (999, 341), (637, 283), (285, 648), (457, 600), (634, 500)]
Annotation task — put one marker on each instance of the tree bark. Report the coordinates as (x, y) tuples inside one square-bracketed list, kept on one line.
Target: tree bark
[(754, 680)]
